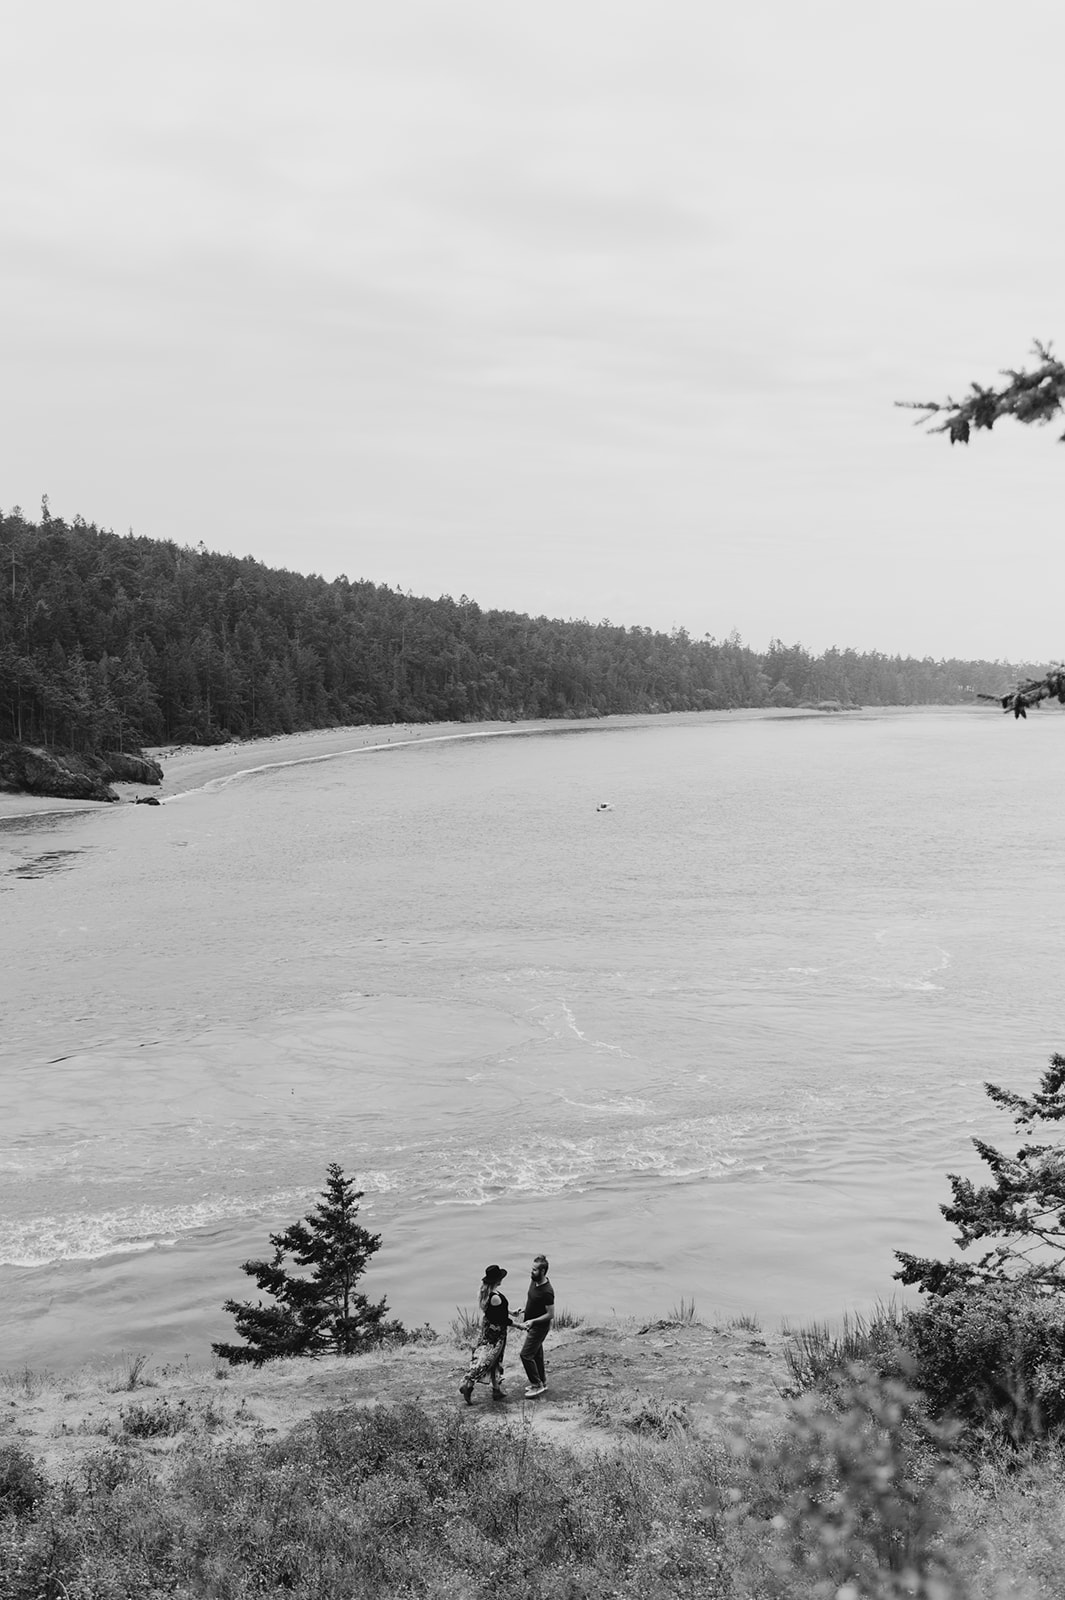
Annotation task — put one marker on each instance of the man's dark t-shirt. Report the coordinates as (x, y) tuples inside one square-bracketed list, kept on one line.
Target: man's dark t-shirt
[(541, 1297)]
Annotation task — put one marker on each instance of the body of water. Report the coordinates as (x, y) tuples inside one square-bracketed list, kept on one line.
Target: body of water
[(698, 1007)]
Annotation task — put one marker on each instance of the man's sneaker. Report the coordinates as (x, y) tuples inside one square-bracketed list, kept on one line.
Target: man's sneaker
[(534, 1389)]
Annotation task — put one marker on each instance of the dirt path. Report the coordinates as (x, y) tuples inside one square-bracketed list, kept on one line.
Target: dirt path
[(603, 1382)]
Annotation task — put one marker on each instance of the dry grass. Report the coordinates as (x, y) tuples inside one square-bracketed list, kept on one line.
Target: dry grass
[(817, 1352), (26, 1382), (132, 1373), (465, 1327)]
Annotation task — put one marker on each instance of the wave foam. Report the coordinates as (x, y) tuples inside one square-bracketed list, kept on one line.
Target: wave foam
[(626, 1106), (698, 1149), (43, 1241), (79, 1236)]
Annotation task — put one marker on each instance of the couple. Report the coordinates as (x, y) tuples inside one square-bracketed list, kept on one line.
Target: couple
[(487, 1360)]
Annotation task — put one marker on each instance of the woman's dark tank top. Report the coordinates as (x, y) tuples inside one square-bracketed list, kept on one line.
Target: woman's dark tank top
[(496, 1317)]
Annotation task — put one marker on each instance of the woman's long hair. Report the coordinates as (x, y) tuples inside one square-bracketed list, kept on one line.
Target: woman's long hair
[(485, 1293)]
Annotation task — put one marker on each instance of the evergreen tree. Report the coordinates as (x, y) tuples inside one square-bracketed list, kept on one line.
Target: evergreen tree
[(317, 1310), (1024, 1206), (109, 641)]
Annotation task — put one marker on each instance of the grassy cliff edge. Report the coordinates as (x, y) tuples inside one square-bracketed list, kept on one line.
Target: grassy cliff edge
[(667, 1458)]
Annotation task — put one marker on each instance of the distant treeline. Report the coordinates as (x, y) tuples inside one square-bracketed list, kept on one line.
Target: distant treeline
[(109, 641)]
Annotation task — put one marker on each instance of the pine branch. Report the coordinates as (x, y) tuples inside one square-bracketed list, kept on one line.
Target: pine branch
[(1029, 397), (1031, 692)]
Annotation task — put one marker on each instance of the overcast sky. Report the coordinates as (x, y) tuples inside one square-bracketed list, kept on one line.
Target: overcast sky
[(588, 308)]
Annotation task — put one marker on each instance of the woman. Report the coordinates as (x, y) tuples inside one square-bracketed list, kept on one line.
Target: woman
[(486, 1363)]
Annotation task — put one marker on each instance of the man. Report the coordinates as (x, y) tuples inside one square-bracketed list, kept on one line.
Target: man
[(539, 1315)]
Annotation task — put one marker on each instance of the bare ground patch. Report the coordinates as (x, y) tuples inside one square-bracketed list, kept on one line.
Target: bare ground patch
[(607, 1381)]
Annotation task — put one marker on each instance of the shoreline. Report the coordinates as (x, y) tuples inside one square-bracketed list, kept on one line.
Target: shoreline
[(189, 767)]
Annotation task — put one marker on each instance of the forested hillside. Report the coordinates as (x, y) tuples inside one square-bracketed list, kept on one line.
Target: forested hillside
[(109, 641)]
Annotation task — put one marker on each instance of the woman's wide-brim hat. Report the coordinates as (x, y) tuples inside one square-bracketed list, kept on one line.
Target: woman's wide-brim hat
[(494, 1274)]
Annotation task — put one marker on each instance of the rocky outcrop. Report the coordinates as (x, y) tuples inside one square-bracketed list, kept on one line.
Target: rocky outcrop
[(28, 769), (127, 768)]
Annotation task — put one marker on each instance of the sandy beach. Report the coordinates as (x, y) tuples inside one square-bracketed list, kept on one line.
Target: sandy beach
[(188, 766)]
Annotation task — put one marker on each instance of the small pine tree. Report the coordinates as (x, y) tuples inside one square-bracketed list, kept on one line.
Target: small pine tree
[(316, 1311), (1024, 1206)]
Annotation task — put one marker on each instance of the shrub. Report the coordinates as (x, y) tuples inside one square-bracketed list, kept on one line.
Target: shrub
[(862, 1490), (159, 1420), (393, 1332), (21, 1485), (367, 1504), (639, 1413), (378, 1503), (1008, 1517), (994, 1356), (105, 1472)]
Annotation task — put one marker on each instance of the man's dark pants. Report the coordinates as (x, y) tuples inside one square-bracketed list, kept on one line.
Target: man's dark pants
[(532, 1355)]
